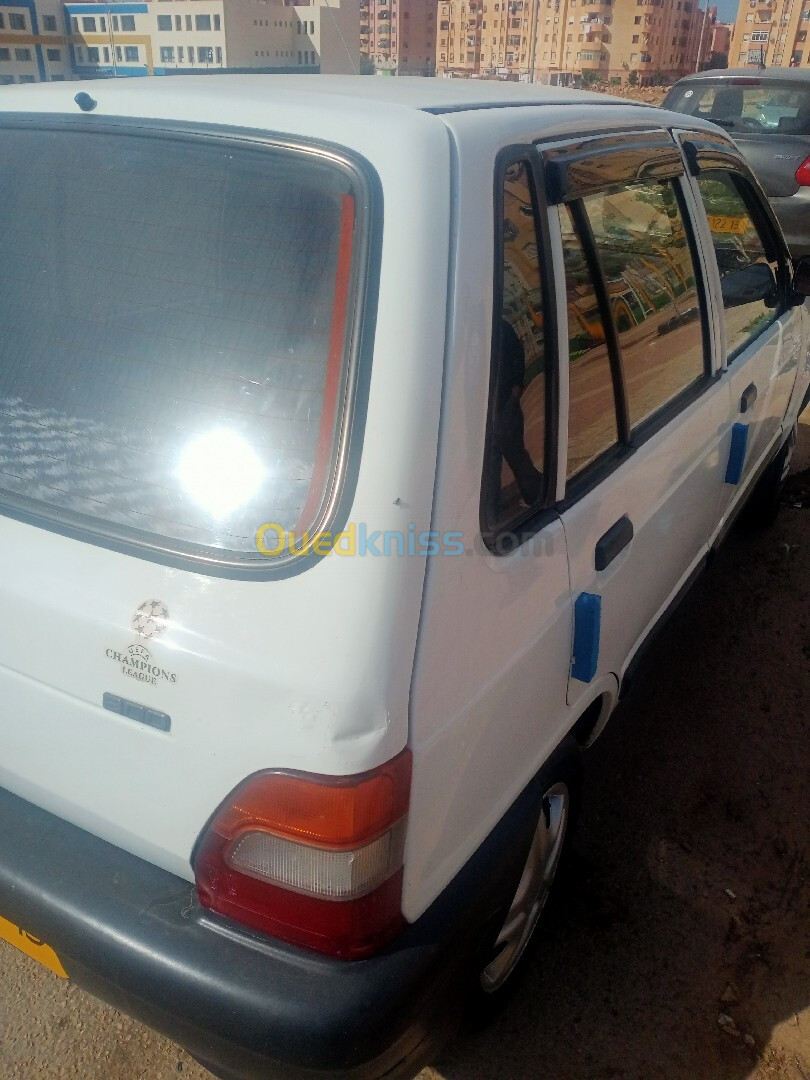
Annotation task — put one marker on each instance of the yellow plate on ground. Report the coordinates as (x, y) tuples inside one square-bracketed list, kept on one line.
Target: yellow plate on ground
[(31, 946)]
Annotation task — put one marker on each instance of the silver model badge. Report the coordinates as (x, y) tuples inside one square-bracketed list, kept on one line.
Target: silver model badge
[(150, 619)]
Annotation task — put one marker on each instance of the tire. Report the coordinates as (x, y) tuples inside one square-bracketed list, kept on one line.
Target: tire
[(763, 505), (560, 782)]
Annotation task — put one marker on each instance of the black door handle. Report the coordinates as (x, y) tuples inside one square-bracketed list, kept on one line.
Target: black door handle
[(749, 396), (615, 540)]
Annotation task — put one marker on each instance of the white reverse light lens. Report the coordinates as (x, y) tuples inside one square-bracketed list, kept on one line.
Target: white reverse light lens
[(220, 471), (332, 875)]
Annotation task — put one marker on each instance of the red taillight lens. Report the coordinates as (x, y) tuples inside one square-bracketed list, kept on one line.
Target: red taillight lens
[(313, 860), (803, 173)]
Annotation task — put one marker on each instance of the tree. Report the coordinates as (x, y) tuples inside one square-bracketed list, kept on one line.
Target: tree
[(632, 78)]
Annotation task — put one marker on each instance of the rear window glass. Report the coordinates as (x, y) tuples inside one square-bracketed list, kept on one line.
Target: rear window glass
[(759, 107), (174, 317)]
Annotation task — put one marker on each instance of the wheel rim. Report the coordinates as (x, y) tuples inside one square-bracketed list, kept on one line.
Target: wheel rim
[(533, 890)]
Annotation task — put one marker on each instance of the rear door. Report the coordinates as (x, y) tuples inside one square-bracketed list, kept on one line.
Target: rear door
[(640, 471)]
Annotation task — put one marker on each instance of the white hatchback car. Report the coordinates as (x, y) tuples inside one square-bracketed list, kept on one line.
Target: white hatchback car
[(356, 436)]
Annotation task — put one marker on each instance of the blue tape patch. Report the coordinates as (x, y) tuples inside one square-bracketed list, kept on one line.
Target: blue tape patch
[(587, 626), (736, 455)]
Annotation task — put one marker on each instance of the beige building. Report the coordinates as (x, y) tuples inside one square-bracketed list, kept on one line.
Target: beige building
[(45, 40), (571, 41), (398, 37), (771, 32), (32, 42)]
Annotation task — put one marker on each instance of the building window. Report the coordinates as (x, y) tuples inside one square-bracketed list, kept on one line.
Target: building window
[(180, 54), (188, 22), (128, 23), (53, 54), (50, 22), (299, 56), (28, 78), (2, 21), (217, 22), (205, 55), (191, 54), (312, 25), (103, 24), (219, 54), (202, 22), (16, 22), (164, 22), (106, 54), (57, 78), (22, 54), (118, 54), (178, 22), (131, 53), (167, 54), (88, 24), (5, 54), (92, 54)]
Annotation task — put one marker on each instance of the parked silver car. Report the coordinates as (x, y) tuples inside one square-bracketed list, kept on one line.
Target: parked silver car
[(767, 113)]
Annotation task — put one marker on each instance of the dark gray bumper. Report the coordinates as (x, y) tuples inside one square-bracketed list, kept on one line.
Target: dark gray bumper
[(793, 213), (245, 1005)]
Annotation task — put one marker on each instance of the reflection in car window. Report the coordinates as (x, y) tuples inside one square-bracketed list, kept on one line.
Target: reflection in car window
[(640, 235), (592, 426), (519, 408), (759, 107), (741, 258)]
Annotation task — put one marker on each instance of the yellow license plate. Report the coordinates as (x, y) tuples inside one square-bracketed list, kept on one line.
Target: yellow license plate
[(31, 946)]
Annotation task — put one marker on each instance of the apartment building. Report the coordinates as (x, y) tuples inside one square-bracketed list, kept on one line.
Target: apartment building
[(398, 37), (569, 42), (49, 40), (771, 32), (32, 42)]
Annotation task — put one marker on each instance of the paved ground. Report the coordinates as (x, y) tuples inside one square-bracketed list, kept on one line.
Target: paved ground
[(681, 947)]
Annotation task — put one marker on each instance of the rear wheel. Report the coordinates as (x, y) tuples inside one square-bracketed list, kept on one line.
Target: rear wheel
[(561, 783)]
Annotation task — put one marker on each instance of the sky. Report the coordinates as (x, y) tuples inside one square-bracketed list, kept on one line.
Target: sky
[(726, 10)]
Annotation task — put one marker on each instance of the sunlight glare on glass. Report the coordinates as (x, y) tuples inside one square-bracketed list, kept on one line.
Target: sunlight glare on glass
[(220, 471)]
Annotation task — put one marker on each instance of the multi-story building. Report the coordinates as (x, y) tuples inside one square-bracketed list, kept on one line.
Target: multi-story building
[(32, 42), (721, 39), (45, 40), (573, 41), (771, 32), (398, 37)]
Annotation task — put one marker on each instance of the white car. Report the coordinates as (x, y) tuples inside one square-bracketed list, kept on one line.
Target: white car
[(356, 436)]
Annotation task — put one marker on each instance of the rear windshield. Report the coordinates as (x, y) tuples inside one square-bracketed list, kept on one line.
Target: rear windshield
[(174, 318), (758, 106)]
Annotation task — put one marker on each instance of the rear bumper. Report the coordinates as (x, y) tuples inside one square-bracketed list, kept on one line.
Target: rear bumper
[(244, 1005)]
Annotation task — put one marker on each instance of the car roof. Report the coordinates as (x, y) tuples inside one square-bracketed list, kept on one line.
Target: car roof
[(774, 74), (374, 93)]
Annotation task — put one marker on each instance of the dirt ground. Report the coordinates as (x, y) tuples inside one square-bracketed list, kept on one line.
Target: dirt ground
[(680, 947)]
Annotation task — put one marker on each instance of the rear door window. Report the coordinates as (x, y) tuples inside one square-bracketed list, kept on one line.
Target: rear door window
[(644, 250), (176, 323)]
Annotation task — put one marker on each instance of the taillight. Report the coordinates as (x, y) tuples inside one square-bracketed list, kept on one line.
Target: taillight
[(803, 173), (313, 860)]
